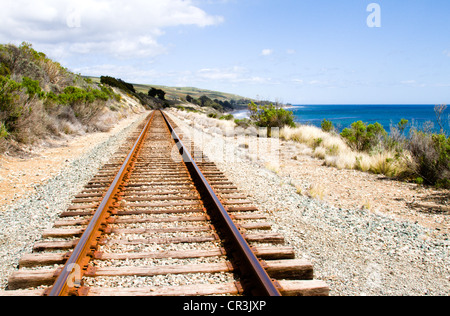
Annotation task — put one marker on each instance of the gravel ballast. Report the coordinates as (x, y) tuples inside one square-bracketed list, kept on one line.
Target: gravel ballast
[(356, 251), (22, 222)]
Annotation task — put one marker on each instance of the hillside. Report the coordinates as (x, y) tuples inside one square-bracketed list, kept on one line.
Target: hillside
[(41, 99), (180, 93), (177, 93)]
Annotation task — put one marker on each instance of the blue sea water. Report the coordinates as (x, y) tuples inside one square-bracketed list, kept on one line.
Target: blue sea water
[(343, 116)]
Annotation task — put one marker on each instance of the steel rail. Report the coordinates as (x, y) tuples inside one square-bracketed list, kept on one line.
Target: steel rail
[(254, 278), (77, 261)]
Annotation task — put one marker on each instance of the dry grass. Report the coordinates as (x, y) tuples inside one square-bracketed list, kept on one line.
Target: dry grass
[(317, 191), (331, 148), (314, 138)]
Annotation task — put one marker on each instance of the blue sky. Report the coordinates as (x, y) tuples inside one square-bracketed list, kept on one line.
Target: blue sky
[(297, 51)]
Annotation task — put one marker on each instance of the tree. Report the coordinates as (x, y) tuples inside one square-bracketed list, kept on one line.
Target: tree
[(402, 125), (118, 83), (205, 101), (270, 116), (160, 94)]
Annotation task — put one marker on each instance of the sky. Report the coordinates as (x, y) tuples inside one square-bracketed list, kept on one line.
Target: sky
[(293, 51)]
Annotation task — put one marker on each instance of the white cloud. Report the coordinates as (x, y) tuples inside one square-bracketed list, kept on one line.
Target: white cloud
[(121, 29), (230, 75), (267, 52), (409, 82), (298, 81)]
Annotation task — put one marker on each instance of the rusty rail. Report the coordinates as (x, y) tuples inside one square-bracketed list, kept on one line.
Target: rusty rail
[(77, 261), (254, 278), (156, 199)]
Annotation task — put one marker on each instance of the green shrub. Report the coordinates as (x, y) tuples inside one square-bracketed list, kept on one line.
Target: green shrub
[(327, 126), (4, 70), (228, 117), (38, 94), (317, 142), (244, 123), (118, 83), (73, 95), (10, 93), (32, 88), (444, 184), (402, 125), (3, 131), (364, 137), (270, 116), (431, 154)]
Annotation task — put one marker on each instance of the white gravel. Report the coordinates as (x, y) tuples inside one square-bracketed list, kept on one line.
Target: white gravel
[(22, 223), (355, 251)]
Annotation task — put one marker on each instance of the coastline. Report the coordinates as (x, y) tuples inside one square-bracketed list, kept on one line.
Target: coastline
[(419, 116), (365, 234), (243, 114)]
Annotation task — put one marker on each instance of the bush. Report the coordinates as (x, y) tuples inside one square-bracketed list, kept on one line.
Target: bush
[(32, 88), (244, 123), (4, 70), (364, 137), (160, 94), (3, 131), (10, 110), (402, 125), (327, 126), (431, 154), (118, 83), (228, 117), (270, 116), (38, 97)]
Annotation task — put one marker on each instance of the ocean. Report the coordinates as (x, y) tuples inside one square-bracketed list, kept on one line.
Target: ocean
[(343, 115)]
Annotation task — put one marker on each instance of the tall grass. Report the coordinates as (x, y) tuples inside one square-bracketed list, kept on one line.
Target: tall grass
[(337, 153), (420, 156)]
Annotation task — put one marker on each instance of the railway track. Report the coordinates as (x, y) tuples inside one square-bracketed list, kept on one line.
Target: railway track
[(154, 222)]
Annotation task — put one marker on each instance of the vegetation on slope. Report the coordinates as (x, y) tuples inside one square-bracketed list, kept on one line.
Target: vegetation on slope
[(39, 98), (419, 156)]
